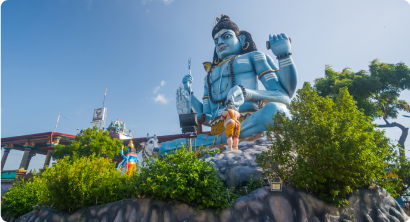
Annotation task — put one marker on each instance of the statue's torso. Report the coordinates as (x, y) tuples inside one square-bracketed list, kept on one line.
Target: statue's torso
[(245, 75)]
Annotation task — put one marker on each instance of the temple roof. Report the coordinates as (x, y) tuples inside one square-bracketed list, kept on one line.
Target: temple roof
[(37, 142)]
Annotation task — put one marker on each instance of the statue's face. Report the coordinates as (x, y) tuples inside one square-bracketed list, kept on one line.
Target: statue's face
[(226, 43)]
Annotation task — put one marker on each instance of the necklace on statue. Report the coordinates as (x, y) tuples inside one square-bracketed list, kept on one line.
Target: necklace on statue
[(227, 83), (210, 86)]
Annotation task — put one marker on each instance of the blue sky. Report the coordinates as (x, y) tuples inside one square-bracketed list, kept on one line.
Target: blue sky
[(58, 56)]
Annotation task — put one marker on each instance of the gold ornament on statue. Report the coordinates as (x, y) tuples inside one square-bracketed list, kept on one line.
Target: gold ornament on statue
[(207, 66), (247, 45), (131, 144)]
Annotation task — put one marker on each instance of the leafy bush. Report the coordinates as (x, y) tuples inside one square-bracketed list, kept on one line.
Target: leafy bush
[(181, 177), (78, 182), (328, 147), (92, 141), (24, 194), (251, 186)]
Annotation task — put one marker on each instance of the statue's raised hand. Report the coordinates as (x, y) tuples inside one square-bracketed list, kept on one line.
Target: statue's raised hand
[(183, 99), (279, 44), (187, 81)]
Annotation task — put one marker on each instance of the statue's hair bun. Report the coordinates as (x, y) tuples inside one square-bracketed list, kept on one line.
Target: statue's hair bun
[(225, 23)]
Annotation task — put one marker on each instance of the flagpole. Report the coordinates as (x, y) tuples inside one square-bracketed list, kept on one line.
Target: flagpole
[(57, 122), (103, 106), (104, 96)]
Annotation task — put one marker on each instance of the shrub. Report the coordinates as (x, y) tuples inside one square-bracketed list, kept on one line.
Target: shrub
[(251, 186), (91, 141), (181, 177), (24, 194), (327, 148), (78, 182)]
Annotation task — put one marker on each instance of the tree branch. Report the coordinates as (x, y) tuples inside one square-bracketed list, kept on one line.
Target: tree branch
[(403, 137)]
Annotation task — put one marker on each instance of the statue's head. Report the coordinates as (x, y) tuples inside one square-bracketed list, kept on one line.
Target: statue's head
[(229, 40)]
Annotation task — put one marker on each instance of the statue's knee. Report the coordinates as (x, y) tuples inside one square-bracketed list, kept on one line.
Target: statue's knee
[(269, 110)]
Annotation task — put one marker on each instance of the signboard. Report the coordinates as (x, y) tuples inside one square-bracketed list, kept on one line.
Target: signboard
[(276, 186), (99, 115)]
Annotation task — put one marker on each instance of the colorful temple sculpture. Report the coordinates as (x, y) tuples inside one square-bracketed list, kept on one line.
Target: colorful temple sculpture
[(149, 149), (118, 129), (236, 68), (129, 164), (30, 145)]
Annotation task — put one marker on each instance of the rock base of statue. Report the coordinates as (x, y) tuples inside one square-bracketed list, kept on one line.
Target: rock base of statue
[(261, 205), (237, 166)]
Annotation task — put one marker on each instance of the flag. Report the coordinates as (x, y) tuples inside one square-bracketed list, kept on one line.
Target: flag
[(105, 91)]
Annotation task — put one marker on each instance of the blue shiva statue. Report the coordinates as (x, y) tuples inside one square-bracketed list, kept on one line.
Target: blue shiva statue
[(236, 68)]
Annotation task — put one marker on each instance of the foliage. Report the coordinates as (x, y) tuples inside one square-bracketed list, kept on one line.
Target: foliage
[(92, 141), (328, 147), (398, 181), (81, 181), (376, 93), (251, 186), (206, 151), (181, 177), (24, 194)]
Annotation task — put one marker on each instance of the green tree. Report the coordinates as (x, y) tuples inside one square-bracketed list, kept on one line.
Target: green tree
[(91, 141), (377, 93), (328, 147)]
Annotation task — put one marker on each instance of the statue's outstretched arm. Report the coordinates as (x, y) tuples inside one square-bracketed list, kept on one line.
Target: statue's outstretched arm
[(275, 92), (280, 46), (287, 73), (204, 107)]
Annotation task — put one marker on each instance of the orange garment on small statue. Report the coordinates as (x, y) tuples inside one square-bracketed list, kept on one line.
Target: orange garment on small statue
[(233, 129)]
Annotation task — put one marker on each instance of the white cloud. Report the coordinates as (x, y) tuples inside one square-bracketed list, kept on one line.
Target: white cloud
[(408, 1), (158, 87), (147, 10), (161, 98)]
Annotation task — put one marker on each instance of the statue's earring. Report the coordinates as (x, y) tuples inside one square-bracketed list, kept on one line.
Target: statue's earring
[(216, 61), (247, 45)]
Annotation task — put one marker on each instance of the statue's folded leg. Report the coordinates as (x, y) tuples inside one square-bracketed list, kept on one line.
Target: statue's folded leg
[(257, 122)]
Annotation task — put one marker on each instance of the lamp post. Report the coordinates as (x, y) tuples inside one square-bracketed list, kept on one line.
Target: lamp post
[(189, 123)]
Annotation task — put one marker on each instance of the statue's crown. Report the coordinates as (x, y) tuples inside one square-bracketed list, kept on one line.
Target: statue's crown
[(131, 144), (224, 23), (223, 18)]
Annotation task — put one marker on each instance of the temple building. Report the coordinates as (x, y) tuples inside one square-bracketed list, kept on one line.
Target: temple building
[(43, 143), (31, 145)]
